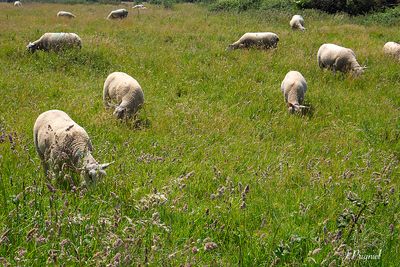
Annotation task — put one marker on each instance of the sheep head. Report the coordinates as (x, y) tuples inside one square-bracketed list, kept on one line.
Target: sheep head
[(120, 112), (230, 47), (292, 108), (31, 47), (358, 70), (94, 171)]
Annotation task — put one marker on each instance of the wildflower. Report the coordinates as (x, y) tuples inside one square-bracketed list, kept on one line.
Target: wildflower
[(118, 243), (210, 246)]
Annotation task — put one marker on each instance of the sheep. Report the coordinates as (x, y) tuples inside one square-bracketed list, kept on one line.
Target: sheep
[(18, 4), (260, 39), (338, 58), (124, 93), (297, 22), (62, 144), (139, 7), (392, 49), (118, 14), (65, 14), (294, 87), (55, 42)]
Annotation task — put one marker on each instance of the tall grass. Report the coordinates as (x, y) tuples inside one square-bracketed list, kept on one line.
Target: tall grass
[(219, 159)]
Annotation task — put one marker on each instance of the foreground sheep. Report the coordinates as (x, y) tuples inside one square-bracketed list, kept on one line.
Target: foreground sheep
[(124, 93), (118, 14), (55, 42), (338, 58), (18, 4), (259, 39), (297, 23), (65, 14), (392, 49), (294, 87), (61, 143)]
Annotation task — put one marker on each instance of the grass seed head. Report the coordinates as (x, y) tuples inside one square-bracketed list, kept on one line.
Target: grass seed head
[(210, 246)]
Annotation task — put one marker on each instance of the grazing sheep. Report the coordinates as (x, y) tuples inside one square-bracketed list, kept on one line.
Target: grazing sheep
[(62, 144), (392, 49), (65, 14), (139, 7), (18, 4), (294, 87), (297, 23), (260, 39), (338, 58), (55, 42), (124, 93), (118, 14)]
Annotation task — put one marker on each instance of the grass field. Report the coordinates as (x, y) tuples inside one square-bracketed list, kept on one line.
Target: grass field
[(215, 157)]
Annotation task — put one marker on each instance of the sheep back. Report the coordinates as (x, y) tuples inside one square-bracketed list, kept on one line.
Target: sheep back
[(65, 14), (58, 139), (118, 14), (123, 92), (297, 22), (294, 87), (338, 58), (392, 49), (56, 41), (258, 39)]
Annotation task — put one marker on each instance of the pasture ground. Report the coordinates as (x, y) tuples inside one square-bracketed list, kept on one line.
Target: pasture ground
[(320, 187)]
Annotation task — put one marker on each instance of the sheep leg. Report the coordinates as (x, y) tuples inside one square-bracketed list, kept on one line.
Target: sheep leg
[(320, 64), (46, 169)]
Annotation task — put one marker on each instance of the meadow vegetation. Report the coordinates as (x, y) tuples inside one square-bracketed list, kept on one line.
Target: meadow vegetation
[(214, 171)]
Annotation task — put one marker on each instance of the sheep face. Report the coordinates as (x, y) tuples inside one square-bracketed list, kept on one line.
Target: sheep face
[(31, 47), (293, 108), (230, 47), (119, 112), (358, 71), (94, 172)]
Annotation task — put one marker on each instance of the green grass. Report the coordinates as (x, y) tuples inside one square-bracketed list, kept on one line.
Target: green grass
[(215, 122)]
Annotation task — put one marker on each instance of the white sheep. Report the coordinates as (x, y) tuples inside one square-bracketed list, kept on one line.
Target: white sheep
[(65, 14), (259, 39), (294, 87), (124, 93), (392, 49), (62, 144), (118, 14), (338, 58), (18, 4), (55, 41), (297, 23), (139, 7)]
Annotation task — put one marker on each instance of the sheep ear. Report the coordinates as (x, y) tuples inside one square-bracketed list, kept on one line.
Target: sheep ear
[(105, 165)]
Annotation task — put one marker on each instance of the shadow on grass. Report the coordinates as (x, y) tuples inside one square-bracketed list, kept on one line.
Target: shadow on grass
[(136, 123), (140, 124), (65, 60), (307, 112)]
